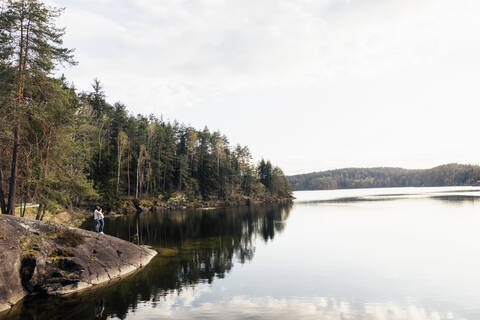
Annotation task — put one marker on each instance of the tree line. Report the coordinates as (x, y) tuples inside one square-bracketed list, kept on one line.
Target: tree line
[(61, 147), (351, 178)]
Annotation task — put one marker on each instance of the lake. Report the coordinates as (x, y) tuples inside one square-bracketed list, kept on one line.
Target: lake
[(397, 253)]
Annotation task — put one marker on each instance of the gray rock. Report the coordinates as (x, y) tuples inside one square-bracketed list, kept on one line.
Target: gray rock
[(54, 259)]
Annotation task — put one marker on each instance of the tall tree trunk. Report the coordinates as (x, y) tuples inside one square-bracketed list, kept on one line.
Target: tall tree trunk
[(20, 86), (43, 213), (164, 177), (13, 175), (118, 169), (128, 171), (47, 155), (24, 209), (159, 167), (100, 144), (3, 205), (39, 212), (138, 178), (180, 177)]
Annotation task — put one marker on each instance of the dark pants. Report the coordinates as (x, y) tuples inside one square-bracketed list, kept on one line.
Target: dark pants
[(99, 224)]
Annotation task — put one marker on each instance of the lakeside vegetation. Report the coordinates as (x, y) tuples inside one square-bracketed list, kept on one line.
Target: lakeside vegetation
[(350, 178), (62, 148)]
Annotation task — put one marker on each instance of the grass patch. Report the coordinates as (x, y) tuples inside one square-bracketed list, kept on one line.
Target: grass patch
[(29, 245), (61, 253), (70, 238)]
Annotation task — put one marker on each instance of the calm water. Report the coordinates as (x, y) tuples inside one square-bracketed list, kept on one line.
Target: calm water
[(401, 253)]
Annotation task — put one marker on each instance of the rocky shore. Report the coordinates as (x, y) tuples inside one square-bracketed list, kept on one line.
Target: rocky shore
[(42, 258), (129, 206)]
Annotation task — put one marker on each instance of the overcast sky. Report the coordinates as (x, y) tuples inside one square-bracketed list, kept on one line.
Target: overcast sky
[(308, 84)]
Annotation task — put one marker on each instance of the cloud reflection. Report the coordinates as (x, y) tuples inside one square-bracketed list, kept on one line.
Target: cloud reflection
[(189, 306)]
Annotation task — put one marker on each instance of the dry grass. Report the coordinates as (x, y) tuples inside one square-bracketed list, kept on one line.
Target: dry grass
[(29, 245), (70, 238), (57, 253)]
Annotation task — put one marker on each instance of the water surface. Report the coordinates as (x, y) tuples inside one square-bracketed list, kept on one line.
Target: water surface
[(400, 253)]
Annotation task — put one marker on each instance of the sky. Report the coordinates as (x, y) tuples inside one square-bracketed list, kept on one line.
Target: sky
[(309, 84)]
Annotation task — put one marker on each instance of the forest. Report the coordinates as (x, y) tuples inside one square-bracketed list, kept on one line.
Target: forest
[(64, 148), (350, 178)]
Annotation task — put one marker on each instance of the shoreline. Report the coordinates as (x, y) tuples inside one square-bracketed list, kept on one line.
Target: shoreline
[(38, 230), (130, 206), (76, 217)]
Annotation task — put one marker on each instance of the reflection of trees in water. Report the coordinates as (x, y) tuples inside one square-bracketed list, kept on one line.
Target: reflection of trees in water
[(172, 228), (207, 241), (200, 245), (457, 199)]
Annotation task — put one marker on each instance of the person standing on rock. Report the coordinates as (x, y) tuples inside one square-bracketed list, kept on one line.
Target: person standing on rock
[(98, 217)]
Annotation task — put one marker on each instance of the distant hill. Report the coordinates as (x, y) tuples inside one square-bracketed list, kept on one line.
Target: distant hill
[(384, 177)]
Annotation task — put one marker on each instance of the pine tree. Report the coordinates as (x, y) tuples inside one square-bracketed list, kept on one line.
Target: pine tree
[(31, 46)]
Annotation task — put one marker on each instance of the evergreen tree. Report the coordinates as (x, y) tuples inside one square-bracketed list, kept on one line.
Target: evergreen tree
[(62, 147), (31, 46)]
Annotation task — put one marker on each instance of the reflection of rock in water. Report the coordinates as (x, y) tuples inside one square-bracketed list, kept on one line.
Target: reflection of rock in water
[(195, 246), (99, 308)]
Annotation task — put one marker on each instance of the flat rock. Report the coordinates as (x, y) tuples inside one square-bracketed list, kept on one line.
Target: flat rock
[(38, 257)]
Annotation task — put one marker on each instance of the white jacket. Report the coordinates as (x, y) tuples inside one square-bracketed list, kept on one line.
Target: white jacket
[(97, 215)]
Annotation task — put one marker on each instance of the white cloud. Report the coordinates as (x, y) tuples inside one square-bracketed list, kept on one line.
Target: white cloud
[(337, 74)]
